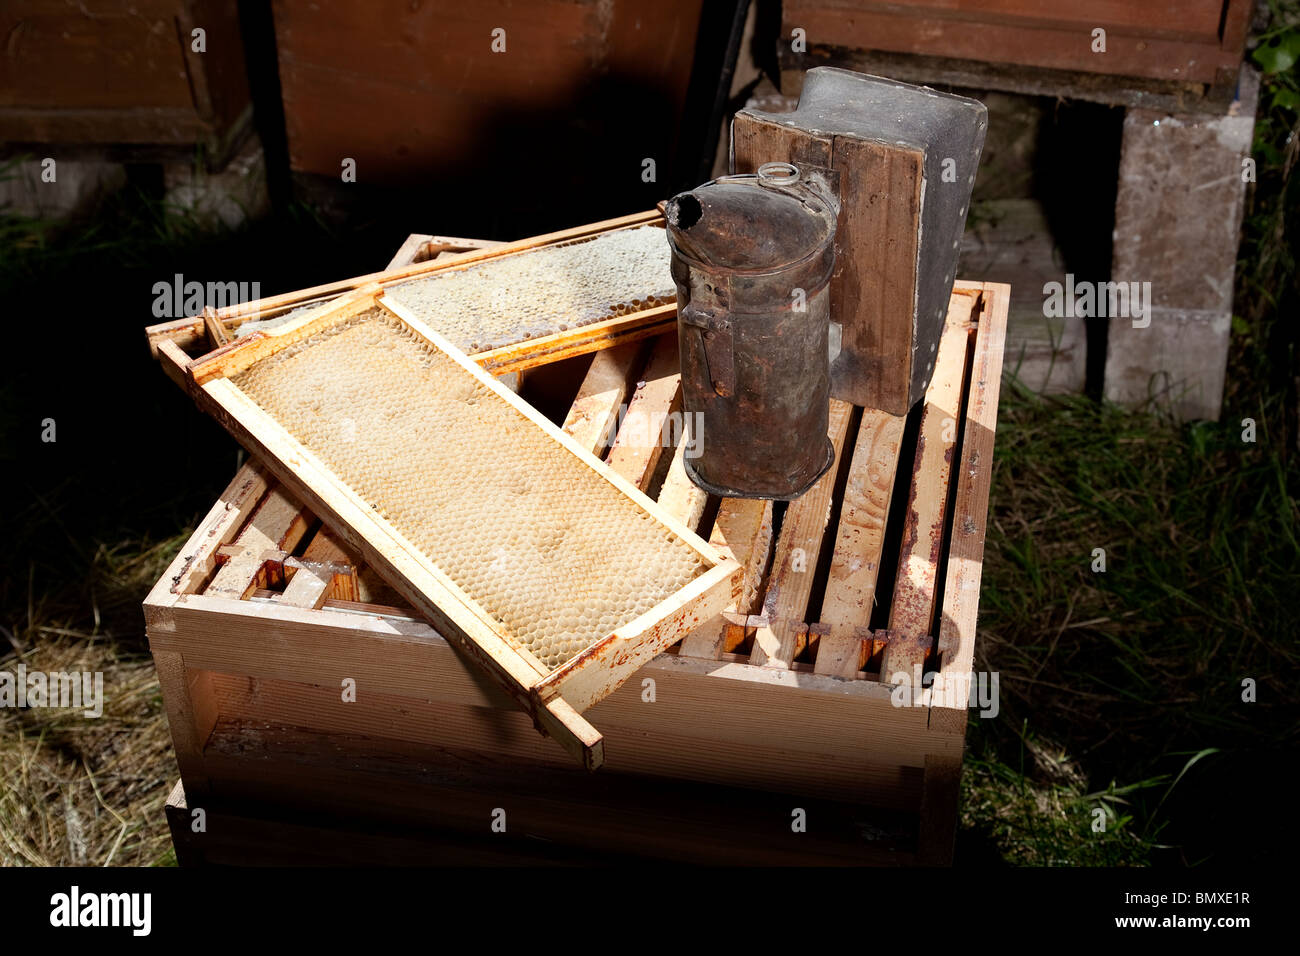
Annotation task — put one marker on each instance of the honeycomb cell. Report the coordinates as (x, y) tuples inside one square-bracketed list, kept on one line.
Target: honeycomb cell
[(544, 545)]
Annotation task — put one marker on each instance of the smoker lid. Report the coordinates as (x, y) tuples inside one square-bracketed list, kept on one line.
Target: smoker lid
[(751, 223)]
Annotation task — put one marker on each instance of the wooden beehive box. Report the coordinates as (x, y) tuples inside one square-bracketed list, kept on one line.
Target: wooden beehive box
[(318, 719), (124, 75)]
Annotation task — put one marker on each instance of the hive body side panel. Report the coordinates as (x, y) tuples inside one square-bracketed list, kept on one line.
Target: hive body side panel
[(874, 290)]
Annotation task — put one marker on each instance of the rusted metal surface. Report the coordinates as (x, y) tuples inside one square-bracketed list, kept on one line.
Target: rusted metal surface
[(752, 260)]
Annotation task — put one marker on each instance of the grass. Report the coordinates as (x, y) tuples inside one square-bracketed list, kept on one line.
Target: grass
[(88, 792), (1122, 689), (1123, 737)]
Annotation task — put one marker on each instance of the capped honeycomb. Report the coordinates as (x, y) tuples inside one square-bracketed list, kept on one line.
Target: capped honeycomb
[(545, 290), (544, 545)]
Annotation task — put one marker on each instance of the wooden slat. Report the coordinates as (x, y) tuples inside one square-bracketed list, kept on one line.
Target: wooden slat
[(638, 446), (904, 657), (219, 527), (742, 530), (876, 239), (912, 610), (855, 565), (309, 588), (790, 583), (325, 558), (813, 741), (658, 321), (593, 416), (680, 496), (191, 713), (435, 248), (971, 505), (278, 524), (1130, 51)]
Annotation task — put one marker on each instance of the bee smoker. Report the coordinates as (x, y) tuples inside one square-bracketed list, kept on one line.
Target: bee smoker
[(752, 257)]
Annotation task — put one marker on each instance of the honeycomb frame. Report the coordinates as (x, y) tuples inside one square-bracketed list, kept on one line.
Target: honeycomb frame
[(556, 690), (648, 314)]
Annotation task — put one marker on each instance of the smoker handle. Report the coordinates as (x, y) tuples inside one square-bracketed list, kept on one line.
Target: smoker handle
[(718, 346)]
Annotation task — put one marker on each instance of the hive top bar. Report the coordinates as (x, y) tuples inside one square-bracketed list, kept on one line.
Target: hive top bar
[(898, 237), (552, 572)]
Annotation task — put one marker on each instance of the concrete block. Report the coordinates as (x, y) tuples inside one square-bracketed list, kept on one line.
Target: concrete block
[(1177, 226), (50, 187), (226, 198)]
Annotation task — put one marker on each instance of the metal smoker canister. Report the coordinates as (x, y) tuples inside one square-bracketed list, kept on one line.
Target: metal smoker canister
[(752, 258)]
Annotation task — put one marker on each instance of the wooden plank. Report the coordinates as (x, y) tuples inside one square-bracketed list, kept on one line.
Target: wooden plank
[(710, 721), (190, 704), (453, 793), (277, 525), (1136, 52), (216, 332), (874, 293), (310, 586), (743, 530), (639, 443), (593, 416), (409, 251), (912, 610), (797, 548), (940, 799), (420, 247), (859, 539), (326, 557), (971, 508), (1196, 20), (679, 495), (580, 340), (904, 658), (197, 560)]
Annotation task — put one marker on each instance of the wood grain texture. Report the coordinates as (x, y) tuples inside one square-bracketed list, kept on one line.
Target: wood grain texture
[(956, 644), (743, 530), (1160, 41), (277, 525), (877, 239), (859, 540), (873, 290), (593, 416), (680, 496), (797, 547), (639, 443), (913, 608)]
